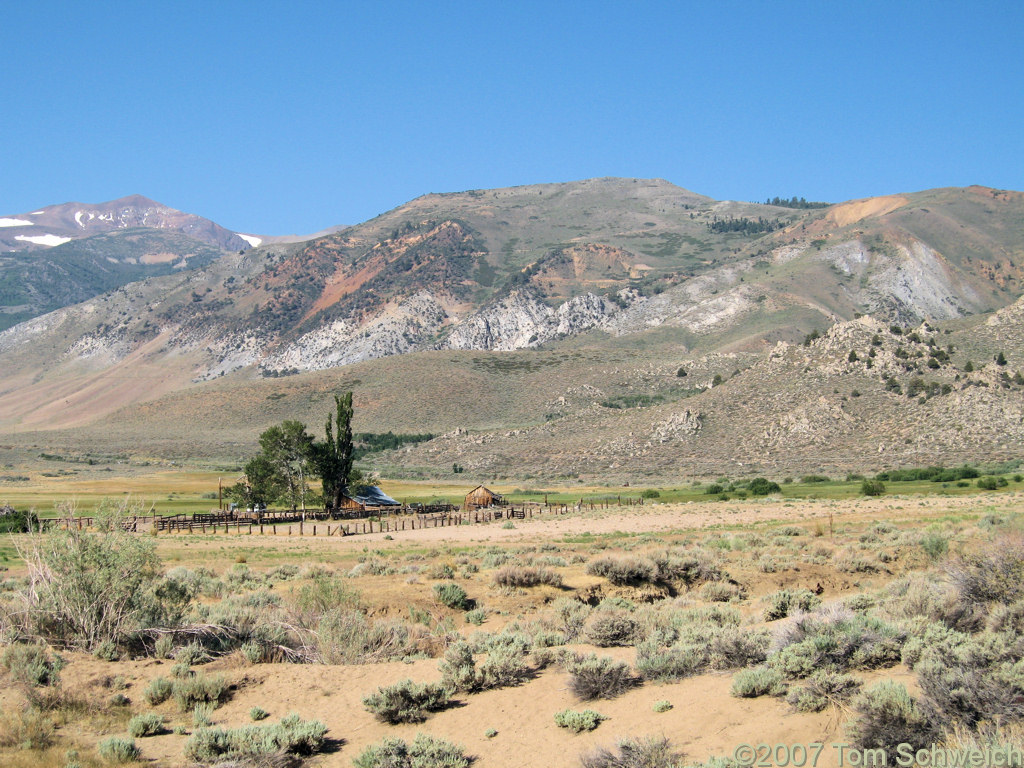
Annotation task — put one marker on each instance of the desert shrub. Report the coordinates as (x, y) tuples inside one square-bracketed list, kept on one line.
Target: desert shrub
[(570, 615), (824, 687), (847, 561), (285, 572), (592, 677), (458, 669), (291, 736), (872, 487), (969, 679), (511, 636), (758, 681), (664, 705), (451, 595), (714, 489), (439, 571), (202, 715), (200, 689), (503, 667), (424, 752), (158, 691), (649, 752), (26, 728), (146, 725), (611, 628), (324, 593), (106, 650), (688, 566), (666, 664), (406, 701), (32, 664), (86, 587), (118, 750), (935, 599), (1007, 618), (258, 713), (494, 559), (994, 575), (349, 637), (934, 544), (190, 654), (699, 640), (163, 646), (840, 640), (526, 576), (254, 652), (721, 592), (988, 483), (623, 571), (477, 616), (785, 601), (886, 716), (578, 721)]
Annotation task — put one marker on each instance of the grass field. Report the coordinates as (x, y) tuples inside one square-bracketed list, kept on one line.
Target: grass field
[(169, 491)]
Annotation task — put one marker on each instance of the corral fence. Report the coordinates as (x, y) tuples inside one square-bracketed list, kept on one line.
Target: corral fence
[(321, 522)]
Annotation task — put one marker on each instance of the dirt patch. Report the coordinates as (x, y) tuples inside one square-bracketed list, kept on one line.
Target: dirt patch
[(852, 212)]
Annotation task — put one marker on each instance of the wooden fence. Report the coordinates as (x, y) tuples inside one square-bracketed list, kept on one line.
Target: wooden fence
[(319, 522)]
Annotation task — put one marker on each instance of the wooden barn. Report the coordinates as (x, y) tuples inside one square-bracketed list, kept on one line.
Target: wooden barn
[(481, 497), (372, 497)]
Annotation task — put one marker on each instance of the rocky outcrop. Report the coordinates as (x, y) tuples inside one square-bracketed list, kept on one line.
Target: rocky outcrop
[(678, 426), (520, 320), (916, 283), (402, 327)]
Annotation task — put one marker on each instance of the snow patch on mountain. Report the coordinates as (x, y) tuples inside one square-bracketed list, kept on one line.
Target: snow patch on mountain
[(250, 239), (8, 222), (48, 240)]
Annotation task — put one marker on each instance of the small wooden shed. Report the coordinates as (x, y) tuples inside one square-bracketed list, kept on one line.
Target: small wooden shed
[(371, 497), (481, 497)]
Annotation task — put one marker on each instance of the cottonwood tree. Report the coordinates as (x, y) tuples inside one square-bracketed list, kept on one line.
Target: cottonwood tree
[(333, 457), (288, 449), (262, 484)]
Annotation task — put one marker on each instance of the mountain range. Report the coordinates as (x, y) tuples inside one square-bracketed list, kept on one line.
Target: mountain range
[(532, 323)]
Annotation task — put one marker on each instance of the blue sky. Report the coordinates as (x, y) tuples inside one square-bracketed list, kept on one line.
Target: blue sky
[(282, 117)]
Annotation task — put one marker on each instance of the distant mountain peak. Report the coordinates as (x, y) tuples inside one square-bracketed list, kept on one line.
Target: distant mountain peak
[(58, 224)]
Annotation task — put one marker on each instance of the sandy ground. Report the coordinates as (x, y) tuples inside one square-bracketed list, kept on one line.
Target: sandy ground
[(653, 518), (705, 719)]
